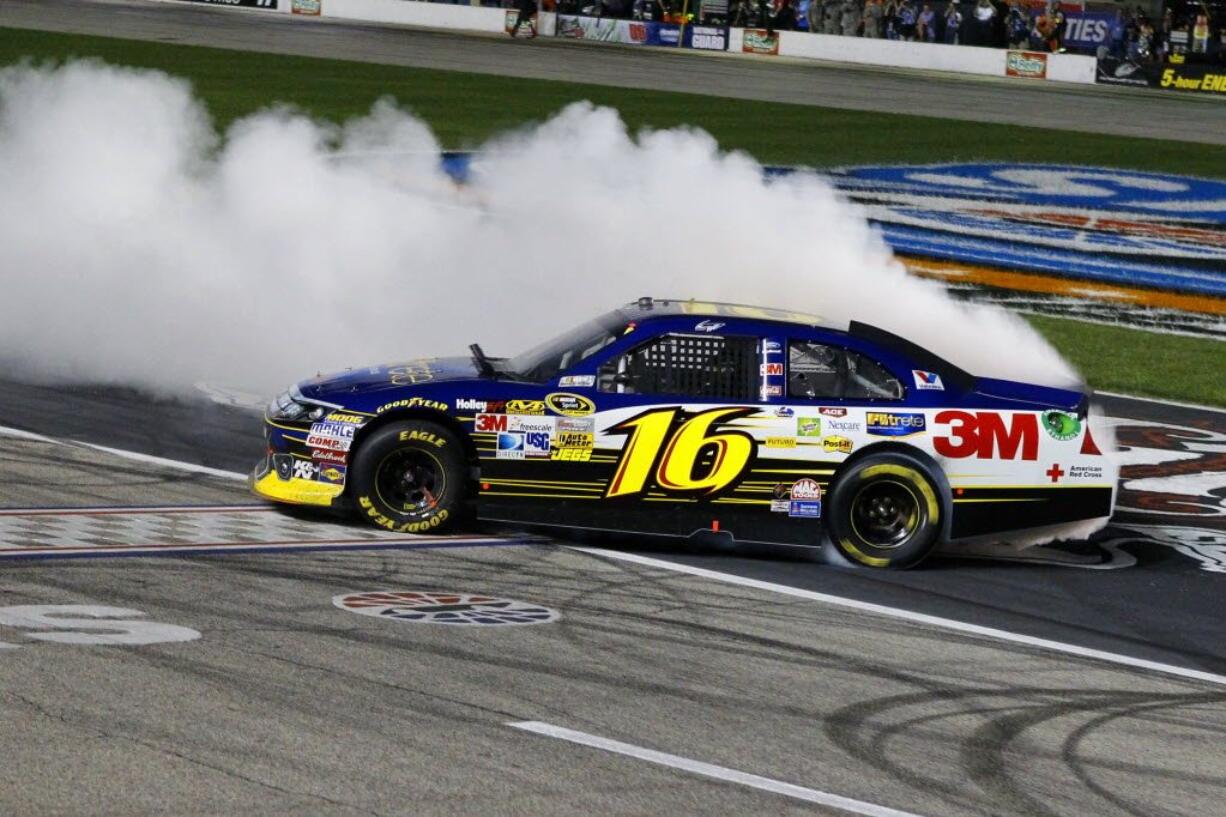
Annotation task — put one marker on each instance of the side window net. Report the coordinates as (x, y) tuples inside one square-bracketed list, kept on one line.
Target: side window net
[(691, 365)]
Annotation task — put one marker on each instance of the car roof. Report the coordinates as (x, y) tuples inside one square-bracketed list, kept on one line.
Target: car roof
[(648, 307)]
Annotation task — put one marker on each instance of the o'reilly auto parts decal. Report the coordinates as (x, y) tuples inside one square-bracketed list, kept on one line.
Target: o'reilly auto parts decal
[(271, 5)]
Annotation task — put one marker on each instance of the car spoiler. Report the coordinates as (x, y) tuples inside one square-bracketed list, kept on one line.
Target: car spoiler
[(959, 378)]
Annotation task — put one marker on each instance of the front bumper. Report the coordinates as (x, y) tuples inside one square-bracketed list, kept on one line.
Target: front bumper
[(266, 483)]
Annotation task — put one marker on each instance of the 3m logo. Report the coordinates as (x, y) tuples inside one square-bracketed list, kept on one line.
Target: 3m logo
[(490, 423), (985, 435)]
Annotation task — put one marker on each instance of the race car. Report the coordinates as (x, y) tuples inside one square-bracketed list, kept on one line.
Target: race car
[(681, 418)]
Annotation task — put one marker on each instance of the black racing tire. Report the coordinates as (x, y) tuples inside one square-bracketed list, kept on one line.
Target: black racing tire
[(409, 477), (884, 512)]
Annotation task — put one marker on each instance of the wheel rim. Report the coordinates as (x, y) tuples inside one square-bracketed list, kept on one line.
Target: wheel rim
[(410, 481), (886, 514)]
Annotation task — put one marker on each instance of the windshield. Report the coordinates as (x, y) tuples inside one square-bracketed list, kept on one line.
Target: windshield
[(543, 362)]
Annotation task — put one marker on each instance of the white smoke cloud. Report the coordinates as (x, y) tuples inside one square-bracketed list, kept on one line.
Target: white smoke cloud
[(138, 247)]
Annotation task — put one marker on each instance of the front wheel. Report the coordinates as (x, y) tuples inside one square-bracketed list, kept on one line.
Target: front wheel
[(409, 477), (884, 512)]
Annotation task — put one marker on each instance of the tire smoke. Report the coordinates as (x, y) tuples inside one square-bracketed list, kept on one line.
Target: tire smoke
[(138, 246)]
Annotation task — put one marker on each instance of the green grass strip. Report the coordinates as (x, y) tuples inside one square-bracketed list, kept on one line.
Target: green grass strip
[(464, 109), (1133, 361)]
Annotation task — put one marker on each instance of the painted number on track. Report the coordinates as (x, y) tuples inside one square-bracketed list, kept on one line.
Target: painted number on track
[(89, 624)]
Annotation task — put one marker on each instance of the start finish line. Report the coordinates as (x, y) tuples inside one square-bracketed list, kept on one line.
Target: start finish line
[(44, 533)]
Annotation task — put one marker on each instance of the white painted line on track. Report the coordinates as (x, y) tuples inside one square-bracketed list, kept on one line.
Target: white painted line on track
[(710, 770), (1163, 401), (918, 618), (128, 455), (922, 618)]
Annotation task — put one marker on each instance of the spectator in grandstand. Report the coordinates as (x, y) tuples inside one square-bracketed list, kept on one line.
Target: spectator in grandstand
[(1142, 49), (1058, 25), (907, 15), (851, 18), (741, 14), (784, 18), (816, 13), (1017, 25), (926, 25), (874, 14), (889, 21), (834, 14), (984, 25), (527, 14), (1199, 39), (953, 23)]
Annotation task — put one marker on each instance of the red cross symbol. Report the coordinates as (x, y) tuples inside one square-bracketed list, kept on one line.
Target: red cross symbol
[(1055, 473)]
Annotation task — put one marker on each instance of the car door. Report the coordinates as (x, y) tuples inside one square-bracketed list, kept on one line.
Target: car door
[(655, 441)]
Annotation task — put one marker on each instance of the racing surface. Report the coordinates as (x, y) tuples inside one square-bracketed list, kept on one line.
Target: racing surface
[(257, 687), (266, 661), (1097, 109)]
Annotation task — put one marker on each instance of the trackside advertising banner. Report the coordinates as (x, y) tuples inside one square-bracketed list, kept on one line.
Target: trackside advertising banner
[(636, 32), (1194, 77), (1087, 30), (270, 5)]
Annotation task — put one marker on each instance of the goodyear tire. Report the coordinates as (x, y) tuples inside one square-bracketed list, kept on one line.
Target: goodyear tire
[(409, 477), (884, 511)]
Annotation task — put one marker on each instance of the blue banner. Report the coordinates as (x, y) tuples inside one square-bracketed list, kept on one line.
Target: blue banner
[(1088, 29)]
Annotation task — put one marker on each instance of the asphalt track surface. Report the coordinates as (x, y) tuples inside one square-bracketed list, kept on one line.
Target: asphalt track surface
[(257, 694), (1096, 109), (287, 701)]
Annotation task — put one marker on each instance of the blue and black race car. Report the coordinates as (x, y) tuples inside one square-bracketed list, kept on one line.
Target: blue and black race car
[(677, 418)]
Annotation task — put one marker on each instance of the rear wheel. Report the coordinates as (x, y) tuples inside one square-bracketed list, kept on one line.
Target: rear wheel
[(884, 512), (409, 477)]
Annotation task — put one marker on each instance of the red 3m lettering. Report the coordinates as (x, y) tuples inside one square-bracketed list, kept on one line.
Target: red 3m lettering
[(487, 423), (962, 441), (984, 434)]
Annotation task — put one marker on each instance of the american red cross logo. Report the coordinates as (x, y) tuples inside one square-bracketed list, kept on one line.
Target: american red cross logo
[(1055, 473)]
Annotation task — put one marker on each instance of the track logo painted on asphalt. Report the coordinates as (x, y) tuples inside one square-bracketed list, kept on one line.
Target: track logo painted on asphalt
[(468, 609), (1173, 488)]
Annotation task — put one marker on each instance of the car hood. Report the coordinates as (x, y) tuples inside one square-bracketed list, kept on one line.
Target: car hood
[(336, 387)]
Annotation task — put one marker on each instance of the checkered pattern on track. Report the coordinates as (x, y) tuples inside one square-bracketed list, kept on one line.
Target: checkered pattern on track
[(98, 531)]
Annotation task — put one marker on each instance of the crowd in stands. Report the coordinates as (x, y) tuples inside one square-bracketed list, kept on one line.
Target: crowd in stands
[(994, 23)]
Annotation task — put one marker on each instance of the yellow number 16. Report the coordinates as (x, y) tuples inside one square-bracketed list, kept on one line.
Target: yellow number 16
[(652, 432)]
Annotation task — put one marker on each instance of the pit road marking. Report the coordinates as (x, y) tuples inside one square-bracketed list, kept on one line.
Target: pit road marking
[(753, 781)]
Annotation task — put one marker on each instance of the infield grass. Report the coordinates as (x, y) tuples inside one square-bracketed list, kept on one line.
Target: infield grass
[(464, 109)]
